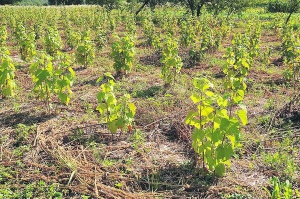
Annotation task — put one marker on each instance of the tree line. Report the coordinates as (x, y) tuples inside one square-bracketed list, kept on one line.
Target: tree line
[(195, 6)]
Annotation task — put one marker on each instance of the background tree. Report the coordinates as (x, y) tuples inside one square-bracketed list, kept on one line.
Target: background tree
[(293, 6), (287, 6), (215, 6), (110, 4), (65, 2), (4, 2), (229, 6), (196, 5)]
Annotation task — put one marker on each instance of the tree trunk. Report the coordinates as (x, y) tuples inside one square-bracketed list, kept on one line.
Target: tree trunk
[(199, 7), (288, 18), (192, 6), (293, 8), (140, 9)]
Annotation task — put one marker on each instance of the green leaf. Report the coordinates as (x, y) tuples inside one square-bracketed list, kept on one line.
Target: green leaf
[(120, 123), (220, 169), (198, 135), (112, 127), (242, 113), (225, 123), (195, 98), (209, 93), (245, 63), (216, 137), (111, 100), (207, 110), (43, 75), (109, 75), (224, 152), (64, 98), (190, 116), (132, 108), (101, 108), (100, 96), (72, 72), (202, 84), (222, 101)]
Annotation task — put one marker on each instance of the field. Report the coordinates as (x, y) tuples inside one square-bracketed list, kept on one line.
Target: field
[(100, 103)]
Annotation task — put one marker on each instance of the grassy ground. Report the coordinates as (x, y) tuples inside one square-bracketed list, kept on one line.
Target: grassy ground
[(68, 154)]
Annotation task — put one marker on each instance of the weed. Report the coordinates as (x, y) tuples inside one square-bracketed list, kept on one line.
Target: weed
[(22, 132), (283, 160), (280, 189), (137, 139)]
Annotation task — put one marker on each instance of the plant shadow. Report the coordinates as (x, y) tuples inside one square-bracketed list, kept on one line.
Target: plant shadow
[(184, 179), (151, 60), (92, 82), (26, 118), (97, 133), (149, 92)]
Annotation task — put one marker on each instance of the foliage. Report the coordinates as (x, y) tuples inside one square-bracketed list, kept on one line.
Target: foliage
[(38, 189), (238, 62), (7, 73), (282, 160), (123, 54), (42, 73), (217, 6), (65, 2), (26, 42), (85, 53), (218, 118), (52, 41), (169, 25), (4, 2), (137, 139), (65, 76), (22, 133), (187, 33), (291, 54), (130, 25), (253, 34), (32, 2), (39, 29), (170, 59), (3, 36), (117, 113), (101, 38), (239, 59), (216, 134), (112, 23), (149, 31), (288, 6), (281, 189), (281, 5), (72, 37), (50, 80), (111, 4)]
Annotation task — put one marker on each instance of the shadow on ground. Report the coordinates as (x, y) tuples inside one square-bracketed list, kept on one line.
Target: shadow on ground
[(178, 180), (149, 92), (26, 118)]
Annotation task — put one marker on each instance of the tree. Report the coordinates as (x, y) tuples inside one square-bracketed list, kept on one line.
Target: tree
[(196, 6), (4, 2), (65, 2), (215, 6), (110, 4), (230, 6), (293, 6), (236, 6), (141, 8)]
